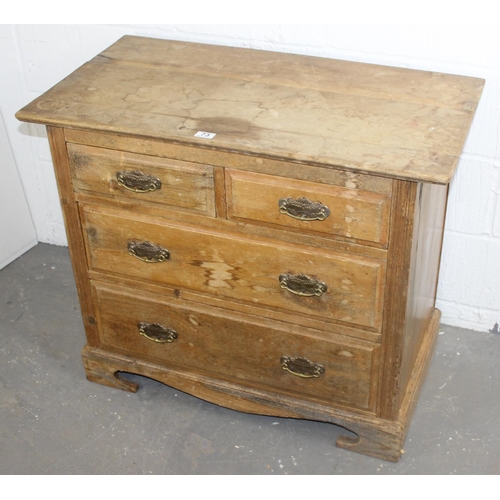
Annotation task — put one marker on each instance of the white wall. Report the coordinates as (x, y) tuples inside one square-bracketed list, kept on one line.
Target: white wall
[(38, 56), (17, 233)]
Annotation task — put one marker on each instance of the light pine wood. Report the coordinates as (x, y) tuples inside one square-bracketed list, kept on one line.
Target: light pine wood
[(353, 213), (424, 271), (73, 232), (339, 244), (413, 264), (220, 192), (377, 145), (319, 327), (183, 185), (376, 437), (397, 284), (207, 342), (200, 154), (389, 121), (227, 265)]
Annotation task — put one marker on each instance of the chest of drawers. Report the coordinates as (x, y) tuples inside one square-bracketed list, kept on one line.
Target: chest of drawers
[(260, 230)]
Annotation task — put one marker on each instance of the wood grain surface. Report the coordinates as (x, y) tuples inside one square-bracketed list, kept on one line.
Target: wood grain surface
[(237, 267), (184, 185), (376, 145), (353, 213), (237, 346), (390, 121)]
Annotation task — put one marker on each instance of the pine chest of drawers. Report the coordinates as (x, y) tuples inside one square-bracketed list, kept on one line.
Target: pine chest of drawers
[(260, 230)]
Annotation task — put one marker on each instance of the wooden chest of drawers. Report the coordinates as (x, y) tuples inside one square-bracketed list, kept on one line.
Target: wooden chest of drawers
[(260, 230)]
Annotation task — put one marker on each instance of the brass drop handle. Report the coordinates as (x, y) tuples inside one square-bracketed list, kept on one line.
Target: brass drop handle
[(301, 367), (303, 285), (137, 181), (303, 209), (147, 251), (157, 333)]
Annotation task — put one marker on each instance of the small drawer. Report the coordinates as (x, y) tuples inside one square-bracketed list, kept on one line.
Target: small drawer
[(142, 178), (329, 285), (237, 346), (308, 206)]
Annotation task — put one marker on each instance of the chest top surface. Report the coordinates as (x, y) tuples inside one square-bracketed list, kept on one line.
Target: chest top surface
[(388, 121)]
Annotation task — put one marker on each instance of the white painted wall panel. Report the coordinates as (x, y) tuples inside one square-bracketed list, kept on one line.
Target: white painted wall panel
[(496, 217), (17, 233), (468, 287), (38, 56), (470, 270), (471, 193)]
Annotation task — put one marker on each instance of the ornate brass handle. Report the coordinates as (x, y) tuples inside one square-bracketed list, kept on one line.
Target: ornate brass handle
[(301, 284), (157, 332), (303, 209), (301, 367), (147, 251), (137, 181)]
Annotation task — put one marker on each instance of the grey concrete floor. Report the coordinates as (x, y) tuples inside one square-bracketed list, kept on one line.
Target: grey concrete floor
[(54, 422)]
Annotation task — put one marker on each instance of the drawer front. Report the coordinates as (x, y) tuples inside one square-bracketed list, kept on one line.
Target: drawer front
[(308, 206), (142, 178), (236, 347), (300, 279)]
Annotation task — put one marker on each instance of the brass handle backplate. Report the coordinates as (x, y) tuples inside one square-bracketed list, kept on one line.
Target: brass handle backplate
[(147, 251), (157, 332), (137, 181), (301, 367), (303, 209), (303, 285)]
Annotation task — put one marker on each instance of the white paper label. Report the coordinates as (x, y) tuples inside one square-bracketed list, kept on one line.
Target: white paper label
[(205, 135)]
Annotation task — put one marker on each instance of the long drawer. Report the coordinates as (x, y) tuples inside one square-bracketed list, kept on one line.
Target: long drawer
[(300, 279), (237, 346)]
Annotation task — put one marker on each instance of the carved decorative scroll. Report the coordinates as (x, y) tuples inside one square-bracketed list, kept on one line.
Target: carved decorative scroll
[(301, 284), (157, 332), (303, 209), (302, 367), (147, 251), (137, 181)]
